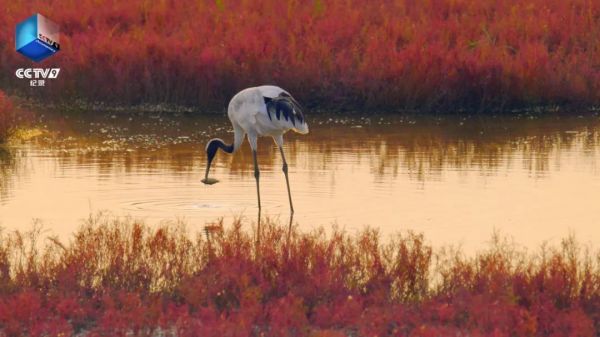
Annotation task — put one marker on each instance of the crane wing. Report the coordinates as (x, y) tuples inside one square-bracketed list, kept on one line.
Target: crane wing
[(286, 106)]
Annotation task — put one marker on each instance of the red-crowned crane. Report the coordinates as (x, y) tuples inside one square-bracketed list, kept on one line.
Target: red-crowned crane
[(259, 112)]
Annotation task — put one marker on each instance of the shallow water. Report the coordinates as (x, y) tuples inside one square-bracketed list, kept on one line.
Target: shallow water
[(455, 179)]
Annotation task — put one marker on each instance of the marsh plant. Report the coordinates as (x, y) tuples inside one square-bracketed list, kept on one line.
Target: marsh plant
[(8, 117), (118, 276), (417, 55)]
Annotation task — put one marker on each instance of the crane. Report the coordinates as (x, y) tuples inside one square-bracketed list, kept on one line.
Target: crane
[(263, 111)]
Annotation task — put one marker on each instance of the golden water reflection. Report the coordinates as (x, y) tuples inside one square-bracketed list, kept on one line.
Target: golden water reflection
[(456, 180)]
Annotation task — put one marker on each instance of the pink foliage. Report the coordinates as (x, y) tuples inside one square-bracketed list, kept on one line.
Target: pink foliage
[(442, 54)]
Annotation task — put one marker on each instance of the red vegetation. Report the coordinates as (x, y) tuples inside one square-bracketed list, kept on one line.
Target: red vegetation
[(439, 54), (122, 278), (7, 116)]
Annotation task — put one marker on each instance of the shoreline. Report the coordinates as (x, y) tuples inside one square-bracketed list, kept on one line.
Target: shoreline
[(83, 106)]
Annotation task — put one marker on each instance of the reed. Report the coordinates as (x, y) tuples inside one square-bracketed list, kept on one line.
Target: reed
[(118, 276)]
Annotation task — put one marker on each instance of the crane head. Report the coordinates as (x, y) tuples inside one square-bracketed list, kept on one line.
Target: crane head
[(211, 151)]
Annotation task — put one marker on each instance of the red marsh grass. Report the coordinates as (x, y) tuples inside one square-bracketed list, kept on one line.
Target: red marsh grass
[(8, 116), (427, 55), (120, 277)]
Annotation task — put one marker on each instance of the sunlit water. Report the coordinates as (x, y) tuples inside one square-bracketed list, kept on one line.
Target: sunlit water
[(456, 180)]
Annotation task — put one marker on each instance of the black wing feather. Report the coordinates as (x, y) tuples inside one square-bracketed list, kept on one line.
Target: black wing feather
[(271, 109), (285, 105)]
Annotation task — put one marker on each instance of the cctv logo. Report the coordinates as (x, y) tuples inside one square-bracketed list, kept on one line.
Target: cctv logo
[(37, 73), (37, 38)]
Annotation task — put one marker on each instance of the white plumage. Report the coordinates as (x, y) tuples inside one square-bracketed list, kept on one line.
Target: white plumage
[(258, 112)]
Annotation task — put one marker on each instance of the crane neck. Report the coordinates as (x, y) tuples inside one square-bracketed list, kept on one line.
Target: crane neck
[(215, 144)]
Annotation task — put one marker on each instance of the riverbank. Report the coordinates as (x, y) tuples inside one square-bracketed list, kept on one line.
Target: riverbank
[(122, 277), (83, 108)]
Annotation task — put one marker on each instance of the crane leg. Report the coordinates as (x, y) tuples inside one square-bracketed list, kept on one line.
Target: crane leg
[(257, 176), (287, 180)]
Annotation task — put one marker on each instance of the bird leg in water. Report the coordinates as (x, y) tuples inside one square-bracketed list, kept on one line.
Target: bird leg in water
[(257, 176), (257, 244), (287, 181)]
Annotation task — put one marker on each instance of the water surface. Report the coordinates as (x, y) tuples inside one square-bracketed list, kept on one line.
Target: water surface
[(455, 179)]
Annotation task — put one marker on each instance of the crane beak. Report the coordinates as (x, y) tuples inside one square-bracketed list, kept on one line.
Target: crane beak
[(207, 180)]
